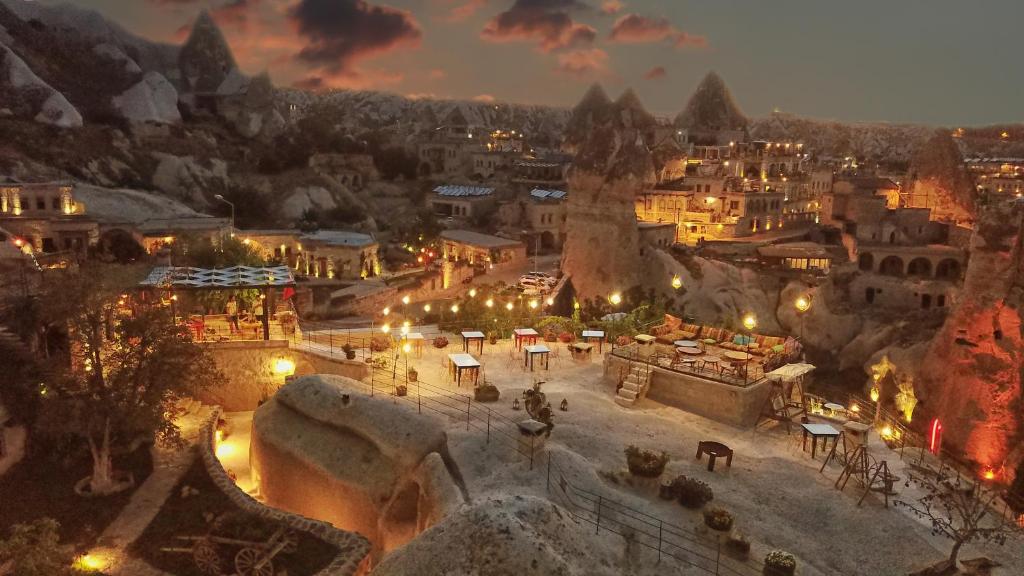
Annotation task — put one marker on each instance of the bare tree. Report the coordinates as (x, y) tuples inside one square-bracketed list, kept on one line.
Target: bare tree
[(960, 509)]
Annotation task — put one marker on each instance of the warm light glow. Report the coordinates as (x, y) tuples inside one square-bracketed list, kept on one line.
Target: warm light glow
[(875, 394), (174, 297), (426, 307), (92, 562), (802, 303), (385, 328), (886, 432), (284, 367), (533, 304), (677, 282), (855, 408), (246, 241), (615, 299), (989, 474), (220, 435), (489, 303), (386, 311), (225, 451), (749, 322), (472, 292), (405, 300), (406, 348), (550, 301), (509, 306), (455, 308)]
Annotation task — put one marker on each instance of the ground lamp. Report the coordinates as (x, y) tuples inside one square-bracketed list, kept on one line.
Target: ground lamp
[(229, 203), (802, 304), (489, 303), (677, 282), (284, 366), (455, 308)]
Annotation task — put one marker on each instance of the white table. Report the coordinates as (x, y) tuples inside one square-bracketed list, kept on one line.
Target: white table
[(597, 335), (686, 344), (460, 362), (815, 431), (468, 337), (416, 340), (524, 334), (531, 351)]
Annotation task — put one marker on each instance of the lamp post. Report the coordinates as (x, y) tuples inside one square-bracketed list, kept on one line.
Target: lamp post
[(802, 305), (232, 204), (749, 322)]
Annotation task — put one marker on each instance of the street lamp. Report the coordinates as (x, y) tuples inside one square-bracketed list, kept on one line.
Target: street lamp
[(749, 322), (386, 310), (455, 308), (229, 203), (489, 303), (405, 300), (426, 307), (472, 292), (802, 304), (615, 299)]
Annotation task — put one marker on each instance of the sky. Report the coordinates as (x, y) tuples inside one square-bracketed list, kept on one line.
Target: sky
[(940, 62)]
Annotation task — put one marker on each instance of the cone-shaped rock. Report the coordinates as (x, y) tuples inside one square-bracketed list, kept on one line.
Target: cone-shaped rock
[(711, 108), (613, 164), (940, 182), (585, 114), (205, 60)]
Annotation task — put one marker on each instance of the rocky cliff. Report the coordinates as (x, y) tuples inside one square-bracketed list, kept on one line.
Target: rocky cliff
[(940, 181), (585, 115), (711, 108), (26, 95), (612, 165), (206, 59)]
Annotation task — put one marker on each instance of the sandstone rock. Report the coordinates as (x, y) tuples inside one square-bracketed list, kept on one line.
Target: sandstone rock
[(711, 108), (940, 181), (34, 98), (307, 198), (585, 115), (153, 99), (205, 60), (115, 53), (184, 178), (822, 328)]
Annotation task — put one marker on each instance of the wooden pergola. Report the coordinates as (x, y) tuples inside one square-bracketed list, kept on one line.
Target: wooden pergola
[(262, 278)]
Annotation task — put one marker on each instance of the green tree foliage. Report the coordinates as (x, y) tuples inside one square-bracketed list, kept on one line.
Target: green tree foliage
[(34, 550), (201, 253), (128, 368)]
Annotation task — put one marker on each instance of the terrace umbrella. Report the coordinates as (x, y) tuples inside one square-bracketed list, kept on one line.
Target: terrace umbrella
[(790, 371)]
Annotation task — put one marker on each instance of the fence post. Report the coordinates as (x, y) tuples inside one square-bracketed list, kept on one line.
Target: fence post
[(599, 499), (548, 481), (660, 524), (330, 336), (488, 426), (469, 399), (718, 556)]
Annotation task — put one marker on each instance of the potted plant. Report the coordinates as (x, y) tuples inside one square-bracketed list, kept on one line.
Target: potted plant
[(692, 493), (779, 563), (645, 463), (565, 337), (350, 352), (380, 343), (492, 338), (440, 342), (401, 390), (550, 336), (623, 340), (718, 519), (413, 375), (486, 393)]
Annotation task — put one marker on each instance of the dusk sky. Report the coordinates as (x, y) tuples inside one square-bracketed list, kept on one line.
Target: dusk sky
[(933, 61)]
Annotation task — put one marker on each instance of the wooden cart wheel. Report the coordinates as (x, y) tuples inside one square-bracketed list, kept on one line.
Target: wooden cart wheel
[(291, 541), (248, 563), (204, 554)]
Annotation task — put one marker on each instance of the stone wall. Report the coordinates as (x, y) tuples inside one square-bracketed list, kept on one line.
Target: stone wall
[(726, 403), (353, 549)]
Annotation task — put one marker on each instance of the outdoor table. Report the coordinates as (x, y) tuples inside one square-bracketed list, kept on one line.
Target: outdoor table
[(646, 344), (468, 337), (524, 335), (415, 339), (581, 349), (823, 431), (713, 360), (714, 450), (737, 355), (597, 335), (835, 408), (686, 344), (534, 350), (460, 362), (691, 350)]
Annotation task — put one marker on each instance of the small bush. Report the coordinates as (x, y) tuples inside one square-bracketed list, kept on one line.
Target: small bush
[(565, 337), (380, 343), (780, 563), (692, 493), (737, 546), (440, 342), (645, 463), (718, 519)]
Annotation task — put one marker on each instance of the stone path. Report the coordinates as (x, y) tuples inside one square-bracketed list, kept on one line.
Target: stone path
[(169, 465)]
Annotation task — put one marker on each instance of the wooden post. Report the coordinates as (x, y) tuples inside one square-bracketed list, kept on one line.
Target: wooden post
[(266, 314)]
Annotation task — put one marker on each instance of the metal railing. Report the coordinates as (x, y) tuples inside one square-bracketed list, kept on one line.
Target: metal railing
[(631, 354)]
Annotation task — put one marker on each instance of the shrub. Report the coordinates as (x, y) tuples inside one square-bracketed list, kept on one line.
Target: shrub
[(645, 463), (380, 343), (486, 393), (780, 563), (692, 493), (565, 337), (440, 342), (718, 519), (737, 546), (623, 341)]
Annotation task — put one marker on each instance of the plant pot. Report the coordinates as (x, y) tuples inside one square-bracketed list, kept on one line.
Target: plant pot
[(667, 490), (401, 390), (413, 376), (350, 354)]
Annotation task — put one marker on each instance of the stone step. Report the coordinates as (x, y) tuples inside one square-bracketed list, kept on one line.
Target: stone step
[(628, 394), (625, 402)]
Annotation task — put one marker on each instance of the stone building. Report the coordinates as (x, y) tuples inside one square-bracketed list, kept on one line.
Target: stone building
[(541, 173), (541, 214), (480, 249), (329, 254), (461, 201), (352, 170), (46, 218)]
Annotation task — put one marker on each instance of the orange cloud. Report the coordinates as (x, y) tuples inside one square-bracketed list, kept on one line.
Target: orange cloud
[(583, 63), (637, 29), (612, 7), (546, 22), (656, 73)]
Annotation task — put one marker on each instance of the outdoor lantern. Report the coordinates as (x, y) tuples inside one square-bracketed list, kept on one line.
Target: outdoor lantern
[(284, 366), (564, 406), (803, 303), (385, 328), (407, 348), (386, 311), (472, 292), (550, 301), (875, 394), (533, 304), (515, 403), (749, 322), (405, 299), (615, 299), (426, 307), (989, 474), (677, 282), (509, 306), (455, 308), (489, 303)]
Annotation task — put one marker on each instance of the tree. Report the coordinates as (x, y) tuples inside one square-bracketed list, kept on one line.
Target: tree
[(201, 253), (960, 509), (126, 372), (34, 550)]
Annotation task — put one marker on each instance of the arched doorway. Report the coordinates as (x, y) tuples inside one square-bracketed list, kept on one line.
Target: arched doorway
[(120, 246), (948, 269), (919, 267), (892, 237), (891, 266), (547, 239), (866, 262)]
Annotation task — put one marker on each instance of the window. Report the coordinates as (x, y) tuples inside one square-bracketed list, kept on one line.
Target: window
[(40, 203), (55, 204), (735, 204)]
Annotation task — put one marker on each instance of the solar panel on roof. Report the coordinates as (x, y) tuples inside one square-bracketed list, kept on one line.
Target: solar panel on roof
[(453, 190)]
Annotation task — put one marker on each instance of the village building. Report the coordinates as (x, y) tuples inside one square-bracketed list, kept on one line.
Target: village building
[(480, 250), (352, 170), (461, 201), (539, 217), (328, 254), (542, 173), (46, 218), (155, 234)]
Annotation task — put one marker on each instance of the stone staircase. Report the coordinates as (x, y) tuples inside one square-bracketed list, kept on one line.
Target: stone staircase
[(635, 383)]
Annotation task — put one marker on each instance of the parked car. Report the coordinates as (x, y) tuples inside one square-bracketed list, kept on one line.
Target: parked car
[(538, 281)]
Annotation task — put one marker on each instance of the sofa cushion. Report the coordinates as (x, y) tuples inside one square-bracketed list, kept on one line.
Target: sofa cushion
[(742, 339)]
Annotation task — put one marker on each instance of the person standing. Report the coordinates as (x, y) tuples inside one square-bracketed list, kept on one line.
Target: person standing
[(231, 309)]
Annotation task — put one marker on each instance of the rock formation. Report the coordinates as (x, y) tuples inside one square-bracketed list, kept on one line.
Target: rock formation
[(205, 60), (27, 95), (602, 250), (940, 181), (711, 108), (153, 99), (585, 115), (971, 377), (324, 449)]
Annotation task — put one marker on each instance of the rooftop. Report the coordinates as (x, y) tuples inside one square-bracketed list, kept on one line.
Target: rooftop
[(478, 239), (339, 238), (459, 191), (234, 277), (541, 194)]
